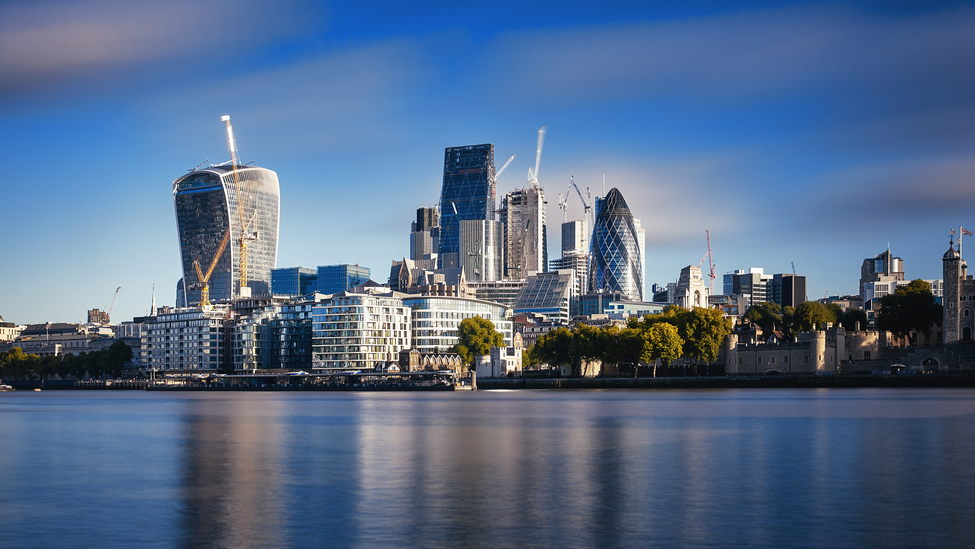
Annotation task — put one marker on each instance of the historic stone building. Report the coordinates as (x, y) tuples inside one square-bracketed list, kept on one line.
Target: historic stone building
[(831, 350), (958, 298)]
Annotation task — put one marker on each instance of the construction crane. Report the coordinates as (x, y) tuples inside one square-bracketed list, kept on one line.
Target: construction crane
[(242, 199), (204, 279), (108, 311), (494, 180), (711, 264), (533, 175), (564, 199)]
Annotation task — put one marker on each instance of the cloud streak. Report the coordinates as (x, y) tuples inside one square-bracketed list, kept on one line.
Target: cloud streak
[(76, 42)]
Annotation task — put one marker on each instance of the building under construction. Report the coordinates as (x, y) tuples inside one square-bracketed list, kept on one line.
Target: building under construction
[(227, 218)]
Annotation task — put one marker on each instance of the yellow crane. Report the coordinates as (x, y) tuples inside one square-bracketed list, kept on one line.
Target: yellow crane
[(242, 198), (204, 284)]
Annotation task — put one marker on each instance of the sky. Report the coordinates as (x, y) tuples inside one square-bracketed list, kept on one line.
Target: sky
[(813, 134)]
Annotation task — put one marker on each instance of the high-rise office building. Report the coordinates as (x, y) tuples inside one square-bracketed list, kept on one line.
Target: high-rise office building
[(468, 193), (575, 237), (881, 268), (333, 279), (481, 249), (753, 284), (523, 215), (210, 216), (616, 260), (425, 234), (788, 290)]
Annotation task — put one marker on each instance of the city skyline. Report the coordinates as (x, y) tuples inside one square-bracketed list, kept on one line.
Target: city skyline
[(808, 133)]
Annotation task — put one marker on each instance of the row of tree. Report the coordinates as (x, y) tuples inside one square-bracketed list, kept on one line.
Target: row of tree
[(811, 315), (16, 364), (911, 309), (692, 333)]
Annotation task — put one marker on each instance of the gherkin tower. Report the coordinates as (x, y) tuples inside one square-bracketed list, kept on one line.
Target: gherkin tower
[(616, 257)]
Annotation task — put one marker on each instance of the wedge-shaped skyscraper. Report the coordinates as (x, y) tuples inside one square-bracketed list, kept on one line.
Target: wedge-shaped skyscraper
[(215, 207), (616, 256)]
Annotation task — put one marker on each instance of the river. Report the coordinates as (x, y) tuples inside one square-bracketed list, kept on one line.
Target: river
[(546, 468)]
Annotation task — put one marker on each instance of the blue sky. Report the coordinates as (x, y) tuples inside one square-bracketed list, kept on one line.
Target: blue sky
[(805, 132)]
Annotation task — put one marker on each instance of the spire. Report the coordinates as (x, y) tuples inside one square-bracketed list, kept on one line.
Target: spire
[(152, 308)]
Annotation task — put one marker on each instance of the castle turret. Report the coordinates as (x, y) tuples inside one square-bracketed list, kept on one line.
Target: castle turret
[(952, 276)]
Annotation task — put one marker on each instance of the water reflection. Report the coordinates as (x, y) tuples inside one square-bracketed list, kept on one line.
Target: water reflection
[(556, 469), (231, 473)]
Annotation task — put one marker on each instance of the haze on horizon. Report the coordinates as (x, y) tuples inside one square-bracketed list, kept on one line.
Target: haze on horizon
[(813, 133)]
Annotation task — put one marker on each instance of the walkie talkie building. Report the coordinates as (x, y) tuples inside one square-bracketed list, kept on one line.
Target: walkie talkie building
[(616, 258), (208, 211)]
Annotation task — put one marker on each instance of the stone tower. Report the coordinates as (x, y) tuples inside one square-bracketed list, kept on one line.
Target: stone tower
[(954, 271)]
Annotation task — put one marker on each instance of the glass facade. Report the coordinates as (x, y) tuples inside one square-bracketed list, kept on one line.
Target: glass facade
[(293, 281), (436, 320), (615, 257), (333, 279), (207, 209), (481, 249), (468, 193), (549, 294)]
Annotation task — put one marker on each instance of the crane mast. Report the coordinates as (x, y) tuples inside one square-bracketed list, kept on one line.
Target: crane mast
[(205, 278), (533, 175), (242, 199)]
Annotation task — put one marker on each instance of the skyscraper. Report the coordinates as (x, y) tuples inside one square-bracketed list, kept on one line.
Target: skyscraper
[(523, 214), (468, 193), (615, 262), (425, 234), (481, 249), (210, 217)]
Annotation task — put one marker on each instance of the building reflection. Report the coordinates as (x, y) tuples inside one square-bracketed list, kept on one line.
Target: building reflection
[(231, 477)]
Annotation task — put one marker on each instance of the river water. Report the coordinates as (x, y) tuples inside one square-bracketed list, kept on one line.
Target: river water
[(544, 468)]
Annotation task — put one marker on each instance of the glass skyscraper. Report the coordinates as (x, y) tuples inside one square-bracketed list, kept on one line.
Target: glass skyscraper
[(615, 257), (209, 210), (468, 193)]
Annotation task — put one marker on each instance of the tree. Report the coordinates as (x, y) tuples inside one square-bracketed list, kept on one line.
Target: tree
[(788, 318), (663, 342), (854, 319), (475, 337), (811, 315), (703, 331), (585, 345), (553, 348), (911, 308), (765, 314), (115, 358)]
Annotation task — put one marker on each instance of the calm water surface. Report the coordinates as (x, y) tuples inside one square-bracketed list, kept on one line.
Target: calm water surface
[(735, 468)]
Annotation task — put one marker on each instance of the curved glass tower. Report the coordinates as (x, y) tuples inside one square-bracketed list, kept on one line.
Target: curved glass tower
[(616, 258), (208, 210)]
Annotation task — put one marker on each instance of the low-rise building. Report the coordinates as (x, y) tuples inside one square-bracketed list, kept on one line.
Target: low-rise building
[(435, 320)]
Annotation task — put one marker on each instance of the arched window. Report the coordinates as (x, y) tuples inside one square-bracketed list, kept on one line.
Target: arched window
[(968, 313), (966, 333)]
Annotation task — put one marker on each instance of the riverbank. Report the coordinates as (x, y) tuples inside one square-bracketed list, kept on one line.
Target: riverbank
[(713, 382)]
